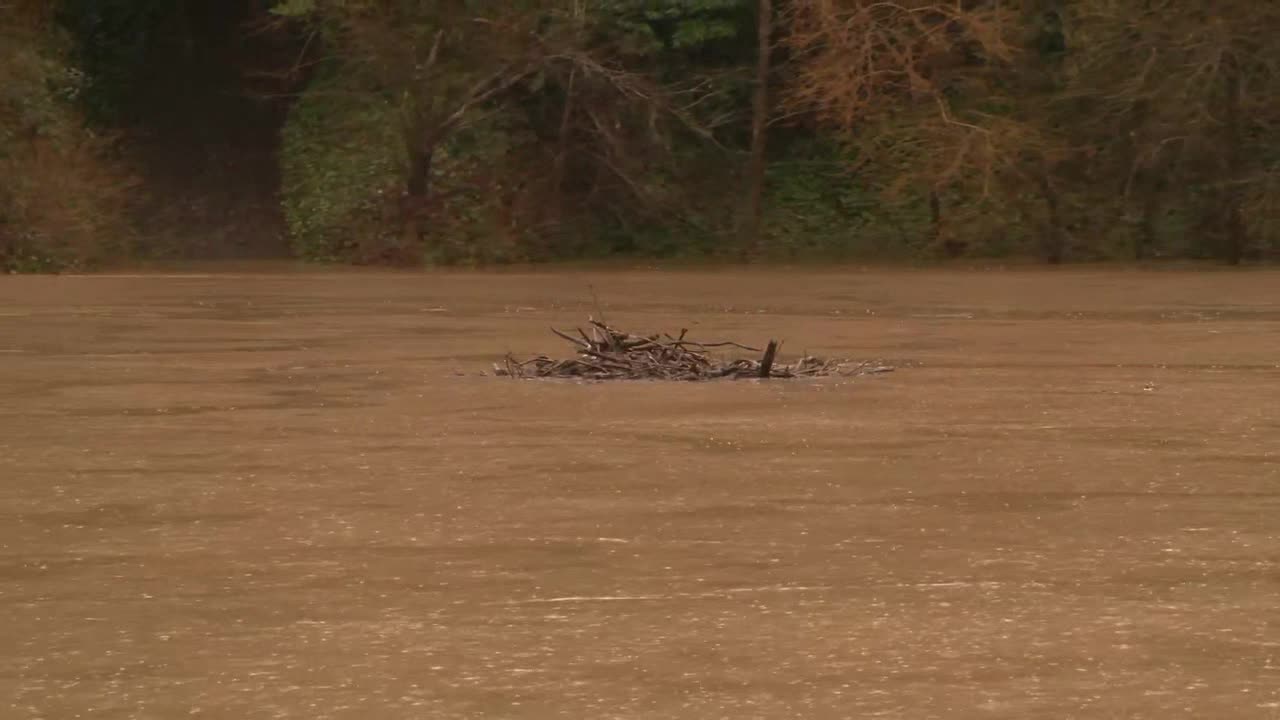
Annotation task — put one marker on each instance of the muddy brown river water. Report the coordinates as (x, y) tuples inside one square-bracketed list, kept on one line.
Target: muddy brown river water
[(290, 495)]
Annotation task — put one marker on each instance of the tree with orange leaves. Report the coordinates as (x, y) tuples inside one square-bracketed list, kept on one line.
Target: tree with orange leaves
[(922, 90)]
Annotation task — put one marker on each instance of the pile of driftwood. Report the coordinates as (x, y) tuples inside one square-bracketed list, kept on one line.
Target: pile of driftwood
[(608, 354)]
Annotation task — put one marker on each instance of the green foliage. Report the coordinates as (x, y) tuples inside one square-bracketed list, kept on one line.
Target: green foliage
[(677, 24), (341, 163), (63, 200), (293, 8), (112, 38), (343, 173), (490, 209), (815, 207), (1262, 211)]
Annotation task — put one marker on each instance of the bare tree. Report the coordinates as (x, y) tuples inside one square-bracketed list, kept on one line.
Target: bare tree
[(921, 91), (756, 166), (1178, 98), (450, 65)]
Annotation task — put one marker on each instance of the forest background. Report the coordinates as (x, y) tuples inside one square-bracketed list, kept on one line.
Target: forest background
[(414, 132)]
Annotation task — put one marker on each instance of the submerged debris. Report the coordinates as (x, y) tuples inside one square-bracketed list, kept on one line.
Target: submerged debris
[(608, 354)]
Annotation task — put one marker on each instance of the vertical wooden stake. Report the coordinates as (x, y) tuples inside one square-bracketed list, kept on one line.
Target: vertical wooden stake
[(766, 362)]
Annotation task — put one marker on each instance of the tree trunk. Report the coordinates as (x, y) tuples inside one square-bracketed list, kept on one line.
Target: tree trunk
[(1055, 243), (940, 236), (1236, 234), (935, 218), (1236, 239), (417, 193), (562, 151), (751, 215), (1147, 236)]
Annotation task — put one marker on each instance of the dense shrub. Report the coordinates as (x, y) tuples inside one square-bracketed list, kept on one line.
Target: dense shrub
[(63, 199), (343, 170), (339, 169)]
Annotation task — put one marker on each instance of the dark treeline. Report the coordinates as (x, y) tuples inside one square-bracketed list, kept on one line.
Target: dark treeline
[(462, 131)]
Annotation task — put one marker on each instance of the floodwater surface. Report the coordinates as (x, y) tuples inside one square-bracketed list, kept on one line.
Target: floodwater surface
[(295, 496)]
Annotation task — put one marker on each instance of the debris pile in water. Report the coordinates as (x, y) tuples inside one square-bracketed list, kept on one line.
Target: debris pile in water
[(608, 354)]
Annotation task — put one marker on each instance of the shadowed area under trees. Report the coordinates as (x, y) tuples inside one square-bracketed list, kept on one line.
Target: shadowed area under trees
[(452, 131)]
